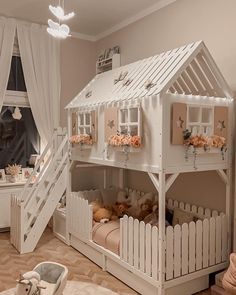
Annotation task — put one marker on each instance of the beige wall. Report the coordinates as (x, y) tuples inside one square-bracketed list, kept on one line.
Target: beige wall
[(77, 69), (182, 22)]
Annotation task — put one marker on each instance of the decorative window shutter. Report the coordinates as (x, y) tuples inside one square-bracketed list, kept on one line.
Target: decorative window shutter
[(221, 121), (111, 122), (94, 125), (179, 117), (74, 123)]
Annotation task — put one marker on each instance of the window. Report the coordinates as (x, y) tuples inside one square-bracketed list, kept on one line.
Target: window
[(16, 80), (19, 138), (130, 121), (200, 120), (84, 123)]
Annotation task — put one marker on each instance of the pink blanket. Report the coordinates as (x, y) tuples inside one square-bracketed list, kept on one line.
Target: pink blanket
[(107, 235)]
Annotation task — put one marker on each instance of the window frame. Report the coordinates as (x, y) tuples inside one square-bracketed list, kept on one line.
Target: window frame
[(84, 126), (129, 123)]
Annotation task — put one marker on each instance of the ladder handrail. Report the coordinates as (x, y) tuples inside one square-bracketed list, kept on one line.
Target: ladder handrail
[(28, 182), (54, 158)]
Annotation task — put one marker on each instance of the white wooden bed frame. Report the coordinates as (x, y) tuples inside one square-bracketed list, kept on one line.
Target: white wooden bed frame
[(192, 250), (175, 77)]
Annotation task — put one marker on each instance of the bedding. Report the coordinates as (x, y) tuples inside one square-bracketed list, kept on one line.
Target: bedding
[(107, 235)]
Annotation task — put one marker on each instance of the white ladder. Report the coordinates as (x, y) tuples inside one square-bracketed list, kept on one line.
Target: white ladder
[(32, 210)]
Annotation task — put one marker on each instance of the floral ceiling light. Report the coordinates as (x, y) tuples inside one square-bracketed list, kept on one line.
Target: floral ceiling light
[(57, 29)]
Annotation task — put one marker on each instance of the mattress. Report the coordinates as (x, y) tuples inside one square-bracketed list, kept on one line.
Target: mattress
[(107, 235)]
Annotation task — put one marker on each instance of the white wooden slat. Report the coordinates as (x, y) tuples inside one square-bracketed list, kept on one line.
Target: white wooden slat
[(187, 207), (184, 86), (176, 64), (125, 237), (212, 242), (224, 238), (155, 253), (177, 251), (185, 248), (176, 204), (177, 87), (121, 239), (142, 245), (148, 249), (189, 83), (208, 213), (193, 77), (211, 78), (169, 253), (172, 89), (181, 205), (214, 213), (200, 211), (136, 243), (205, 243), (194, 209), (131, 241), (170, 204), (202, 78), (218, 239), (199, 246), (192, 246)]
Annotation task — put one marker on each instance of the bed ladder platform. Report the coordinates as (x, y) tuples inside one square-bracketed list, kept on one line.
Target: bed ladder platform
[(32, 210)]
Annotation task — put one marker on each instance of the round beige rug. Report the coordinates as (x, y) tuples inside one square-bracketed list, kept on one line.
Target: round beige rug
[(76, 288)]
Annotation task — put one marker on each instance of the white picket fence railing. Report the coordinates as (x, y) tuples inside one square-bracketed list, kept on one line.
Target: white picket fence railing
[(189, 247)]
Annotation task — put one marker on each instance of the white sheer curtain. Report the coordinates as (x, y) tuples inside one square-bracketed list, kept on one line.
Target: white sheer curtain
[(40, 56), (7, 35)]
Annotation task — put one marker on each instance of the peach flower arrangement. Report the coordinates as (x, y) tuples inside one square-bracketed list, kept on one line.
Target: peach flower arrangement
[(121, 140), (81, 139), (198, 141)]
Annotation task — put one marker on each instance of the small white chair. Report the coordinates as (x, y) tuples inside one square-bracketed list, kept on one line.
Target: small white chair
[(53, 276)]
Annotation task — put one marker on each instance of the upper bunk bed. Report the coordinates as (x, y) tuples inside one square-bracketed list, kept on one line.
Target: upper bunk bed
[(171, 112)]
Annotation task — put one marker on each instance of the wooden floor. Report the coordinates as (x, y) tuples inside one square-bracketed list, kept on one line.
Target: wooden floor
[(51, 249)]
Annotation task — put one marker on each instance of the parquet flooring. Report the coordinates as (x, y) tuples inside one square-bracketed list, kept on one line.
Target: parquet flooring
[(51, 249)]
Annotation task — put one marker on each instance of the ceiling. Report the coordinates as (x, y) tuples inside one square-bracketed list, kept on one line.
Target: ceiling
[(93, 17)]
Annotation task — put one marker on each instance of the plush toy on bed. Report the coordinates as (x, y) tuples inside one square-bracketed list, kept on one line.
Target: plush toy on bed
[(139, 203)]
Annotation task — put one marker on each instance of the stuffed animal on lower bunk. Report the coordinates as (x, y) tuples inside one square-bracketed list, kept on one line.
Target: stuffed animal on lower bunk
[(104, 214)]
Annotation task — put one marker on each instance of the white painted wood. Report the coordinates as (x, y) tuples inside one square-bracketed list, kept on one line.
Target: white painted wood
[(192, 246), (155, 252), (142, 238), (199, 244), (224, 238), (136, 243), (177, 250), (218, 239), (169, 253), (205, 243), (212, 241), (131, 241), (148, 248), (125, 237), (185, 248)]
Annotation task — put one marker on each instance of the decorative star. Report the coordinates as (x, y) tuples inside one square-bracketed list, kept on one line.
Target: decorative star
[(111, 124), (180, 122), (221, 125)]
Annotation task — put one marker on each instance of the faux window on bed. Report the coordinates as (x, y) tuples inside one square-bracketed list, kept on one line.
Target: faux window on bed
[(201, 122), (123, 126), (84, 127)]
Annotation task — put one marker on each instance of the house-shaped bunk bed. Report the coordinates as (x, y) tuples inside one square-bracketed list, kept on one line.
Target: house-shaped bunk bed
[(164, 115)]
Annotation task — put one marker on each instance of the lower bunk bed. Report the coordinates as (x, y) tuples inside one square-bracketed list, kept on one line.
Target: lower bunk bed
[(128, 248)]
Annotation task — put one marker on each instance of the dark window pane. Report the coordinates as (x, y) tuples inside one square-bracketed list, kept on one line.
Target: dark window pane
[(16, 80), (18, 138)]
